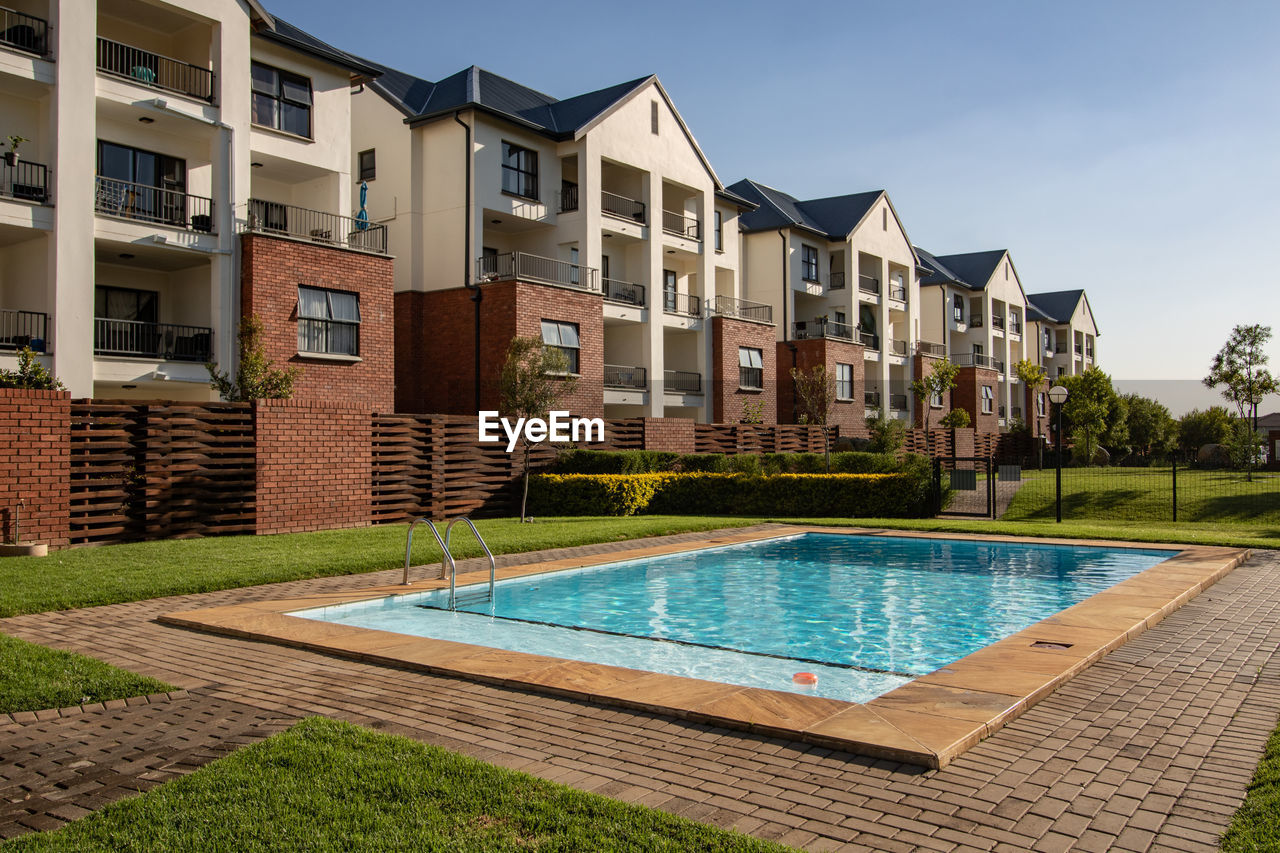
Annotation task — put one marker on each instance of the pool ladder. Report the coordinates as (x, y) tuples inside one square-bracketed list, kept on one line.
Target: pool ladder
[(484, 594)]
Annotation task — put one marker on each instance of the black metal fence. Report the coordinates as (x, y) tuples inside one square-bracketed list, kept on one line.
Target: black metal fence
[(20, 329), (25, 32), (25, 180), (154, 70), (271, 217), (727, 306), (624, 292), (153, 204), (687, 304), (625, 376), (152, 340)]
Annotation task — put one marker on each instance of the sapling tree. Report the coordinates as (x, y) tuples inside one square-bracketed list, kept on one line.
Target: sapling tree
[(534, 378), (941, 379), (30, 374), (1240, 368), (815, 391), (255, 377)]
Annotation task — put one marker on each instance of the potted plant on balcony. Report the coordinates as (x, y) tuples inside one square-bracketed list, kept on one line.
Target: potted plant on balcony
[(11, 156)]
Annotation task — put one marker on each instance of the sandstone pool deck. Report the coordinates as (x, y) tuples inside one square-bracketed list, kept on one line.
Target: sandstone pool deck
[(1151, 747)]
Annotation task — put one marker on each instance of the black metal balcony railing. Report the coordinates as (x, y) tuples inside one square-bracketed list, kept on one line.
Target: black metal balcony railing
[(270, 217), (1016, 412), (929, 348), (619, 205), (898, 402), (871, 398), (625, 292), (620, 376), (997, 321), (685, 304), (971, 359), (817, 329), (1079, 349), (152, 340), (1061, 348), (25, 180), (681, 225), (868, 339), (25, 32), (20, 329), (975, 320), (727, 306), (997, 364), (568, 197), (898, 292), (525, 267), (898, 347), (682, 381), (152, 69), (868, 284), (154, 204), (837, 280)]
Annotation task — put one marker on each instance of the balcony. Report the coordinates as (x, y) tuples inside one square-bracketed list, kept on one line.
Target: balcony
[(682, 381), (819, 329), (623, 207), (1079, 350), (1003, 413), (870, 340), (684, 304), (869, 284), (623, 292), (898, 402), (330, 229), (20, 329), (1061, 348), (975, 320), (620, 376), (155, 71), (681, 225), (727, 306), (898, 292), (1017, 413), (898, 348), (154, 204), (1088, 352), (152, 340), (568, 197), (997, 365), (972, 359), (534, 268), (24, 32), (25, 180), (928, 348), (837, 280), (1015, 326), (997, 322), (871, 398)]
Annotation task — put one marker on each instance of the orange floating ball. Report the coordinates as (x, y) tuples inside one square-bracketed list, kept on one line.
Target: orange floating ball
[(805, 678)]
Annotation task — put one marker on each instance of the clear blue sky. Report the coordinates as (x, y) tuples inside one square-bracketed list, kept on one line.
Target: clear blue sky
[(1132, 149)]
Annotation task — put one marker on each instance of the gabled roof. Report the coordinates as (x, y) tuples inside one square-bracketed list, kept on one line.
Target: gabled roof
[(939, 272), (476, 88), (834, 217), (282, 32), (971, 269), (1057, 307)]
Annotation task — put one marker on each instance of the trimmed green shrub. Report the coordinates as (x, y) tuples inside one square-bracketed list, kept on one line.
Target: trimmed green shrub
[(593, 494), (649, 461), (614, 461), (720, 463)]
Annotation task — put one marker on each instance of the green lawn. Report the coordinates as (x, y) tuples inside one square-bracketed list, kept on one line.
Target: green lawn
[(326, 785), (1146, 494), (1256, 826), (83, 577), (33, 677)]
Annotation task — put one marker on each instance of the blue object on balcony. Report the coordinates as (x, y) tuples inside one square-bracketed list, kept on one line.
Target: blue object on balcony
[(143, 73), (37, 344), (362, 218)]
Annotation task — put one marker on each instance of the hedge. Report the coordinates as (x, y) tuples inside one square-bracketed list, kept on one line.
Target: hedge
[(899, 495), (649, 461)]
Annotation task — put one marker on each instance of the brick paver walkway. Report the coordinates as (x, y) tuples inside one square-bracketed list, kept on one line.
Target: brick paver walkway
[(1151, 748)]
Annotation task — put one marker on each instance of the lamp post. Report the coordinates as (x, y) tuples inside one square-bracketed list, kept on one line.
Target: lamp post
[(1058, 395)]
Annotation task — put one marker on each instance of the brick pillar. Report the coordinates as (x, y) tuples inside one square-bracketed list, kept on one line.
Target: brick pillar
[(35, 465), (670, 435)]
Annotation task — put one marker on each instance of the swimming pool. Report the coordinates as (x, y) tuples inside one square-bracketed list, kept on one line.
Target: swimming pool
[(865, 614)]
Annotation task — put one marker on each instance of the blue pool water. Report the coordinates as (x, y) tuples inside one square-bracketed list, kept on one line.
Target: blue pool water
[(863, 613)]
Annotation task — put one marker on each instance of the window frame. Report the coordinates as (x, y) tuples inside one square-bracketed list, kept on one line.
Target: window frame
[(988, 399), (572, 353), (1040, 404), (279, 97), (751, 371), (369, 173), (526, 171), (328, 323), (842, 369), (935, 400), (809, 263), (718, 221)]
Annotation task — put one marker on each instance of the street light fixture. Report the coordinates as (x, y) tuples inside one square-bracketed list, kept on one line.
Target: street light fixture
[(1058, 395)]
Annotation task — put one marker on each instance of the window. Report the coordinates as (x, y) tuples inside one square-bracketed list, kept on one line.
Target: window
[(957, 307), (884, 219), (935, 400), (750, 368), (564, 337), (808, 263), (718, 218), (328, 322), (842, 319), (668, 290), (988, 399), (1062, 371), (519, 171), (368, 163), (141, 184), (1040, 404), (653, 117), (124, 303), (574, 276), (1048, 340), (281, 100), (844, 381)]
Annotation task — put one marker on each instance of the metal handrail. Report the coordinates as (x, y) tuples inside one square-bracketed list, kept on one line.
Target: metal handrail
[(836, 280), (620, 205), (997, 321), (445, 561), (625, 376), (898, 293), (138, 339), (815, 329), (526, 267), (684, 304), (626, 292), (25, 32), (681, 225), (868, 284), (115, 197), (928, 348), (684, 381), (728, 306), (568, 196), (23, 329), (898, 347), (273, 217), (453, 575), (151, 69), (26, 180)]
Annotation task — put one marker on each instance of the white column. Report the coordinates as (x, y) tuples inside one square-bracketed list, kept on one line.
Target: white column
[(704, 205), (886, 338), (651, 274)]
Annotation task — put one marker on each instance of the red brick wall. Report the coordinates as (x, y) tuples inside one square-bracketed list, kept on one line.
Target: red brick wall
[(35, 465), (1039, 425), (968, 396), (727, 399), (435, 344), (849, 415), (314, 466), (271, 270), (670, 435), (922, 366)]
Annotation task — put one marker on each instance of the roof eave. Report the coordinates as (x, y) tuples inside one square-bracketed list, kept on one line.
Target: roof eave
[(360, 73)]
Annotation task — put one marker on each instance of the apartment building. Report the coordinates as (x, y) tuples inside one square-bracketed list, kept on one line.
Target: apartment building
[(1066, 331), (842, 277), (595, 222), (975, 306), (184, 163)]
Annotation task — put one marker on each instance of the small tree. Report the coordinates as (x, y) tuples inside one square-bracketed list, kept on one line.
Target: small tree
[(1240, 367), (1088, 408), (939, 381), (1032, 376), (30, 374), (1152, 430), (255, 378), (1197, 428), (1243, 446), (955, 419), (533, 379), (815, 397), (886, 435)]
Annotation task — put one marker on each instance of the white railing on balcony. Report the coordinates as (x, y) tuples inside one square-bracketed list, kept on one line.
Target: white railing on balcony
[(535, 268)]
